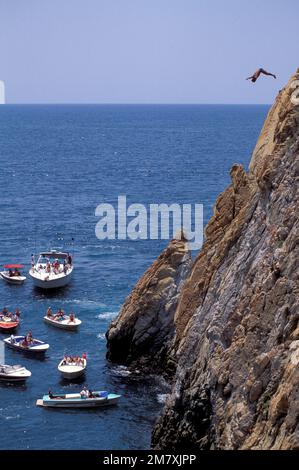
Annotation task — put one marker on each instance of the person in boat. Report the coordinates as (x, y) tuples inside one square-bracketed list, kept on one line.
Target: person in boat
[(84, 392), (71, 317), (69, 259), (56, 266), (17, 273), (78, 361), (65, 361), (60, 314), (50, 313), (10, 273), (29, 337), (5, 311), (12, 339), (16, 316), (32, 260), (48, 267), (25, 342), (65, 267), (51, 396), (17, 313)]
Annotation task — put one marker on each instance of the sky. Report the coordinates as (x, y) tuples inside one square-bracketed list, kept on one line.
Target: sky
[(146, 51)]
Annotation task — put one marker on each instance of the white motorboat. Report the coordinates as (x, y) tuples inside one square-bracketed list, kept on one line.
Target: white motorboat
[(19, 343), (76, 400), (65, 322), (14, 373), (71, 370), (52, 270), (12, 274)]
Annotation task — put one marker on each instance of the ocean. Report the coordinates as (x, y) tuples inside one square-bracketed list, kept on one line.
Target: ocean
[(57, 163)]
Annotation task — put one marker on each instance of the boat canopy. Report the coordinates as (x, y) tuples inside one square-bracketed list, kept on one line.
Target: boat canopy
[(53, 254), (14, 266)]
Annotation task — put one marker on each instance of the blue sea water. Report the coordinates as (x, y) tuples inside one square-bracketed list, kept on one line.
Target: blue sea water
[(57, 163)]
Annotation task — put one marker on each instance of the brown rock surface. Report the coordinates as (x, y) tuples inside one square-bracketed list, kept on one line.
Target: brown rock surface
[(234, 335), (145, 323)]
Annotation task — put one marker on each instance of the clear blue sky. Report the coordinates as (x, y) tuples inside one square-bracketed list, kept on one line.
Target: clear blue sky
[(146, 51)]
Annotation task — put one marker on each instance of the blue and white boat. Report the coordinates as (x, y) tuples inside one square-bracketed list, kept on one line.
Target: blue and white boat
[(76, 400), (19, 344)]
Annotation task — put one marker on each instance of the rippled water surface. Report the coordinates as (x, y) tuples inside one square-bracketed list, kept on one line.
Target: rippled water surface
[(57, 163)]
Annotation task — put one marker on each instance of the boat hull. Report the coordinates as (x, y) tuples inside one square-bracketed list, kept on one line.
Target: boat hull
[(13, 373), (51, 283), (72, 372), (9, 378), (16, 280), (39, 348), (64, 325), (8, 326)]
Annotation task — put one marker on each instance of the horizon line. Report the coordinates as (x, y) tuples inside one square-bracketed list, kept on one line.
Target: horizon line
[(134, 104)]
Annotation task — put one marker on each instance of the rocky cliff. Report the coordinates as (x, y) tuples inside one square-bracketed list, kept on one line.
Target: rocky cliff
[(141, 334), (233, 333)]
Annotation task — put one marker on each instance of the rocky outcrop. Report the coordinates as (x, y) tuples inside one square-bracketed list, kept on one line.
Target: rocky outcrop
[(145, 325), (235, 339)]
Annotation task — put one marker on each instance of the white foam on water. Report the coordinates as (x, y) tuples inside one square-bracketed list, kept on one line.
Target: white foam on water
[(107, 315), (123, 371), (101, 336), (12, 417), (162, 397)]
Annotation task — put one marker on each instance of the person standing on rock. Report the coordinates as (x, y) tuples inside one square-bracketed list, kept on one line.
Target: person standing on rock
[(256, 75)]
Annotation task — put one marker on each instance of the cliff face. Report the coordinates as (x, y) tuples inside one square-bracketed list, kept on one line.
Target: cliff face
[(234, 337), (145, 324)]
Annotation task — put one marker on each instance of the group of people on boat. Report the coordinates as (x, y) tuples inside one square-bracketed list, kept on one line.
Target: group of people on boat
[(56, 267), (60, 315), (85, 393), (74, 360), (14, 272), (13, 316)]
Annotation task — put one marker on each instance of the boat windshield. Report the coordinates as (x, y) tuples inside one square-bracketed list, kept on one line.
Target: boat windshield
[(43, 260), (51, 256)]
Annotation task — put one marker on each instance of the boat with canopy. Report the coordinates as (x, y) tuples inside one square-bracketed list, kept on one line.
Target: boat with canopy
[(12, 274)]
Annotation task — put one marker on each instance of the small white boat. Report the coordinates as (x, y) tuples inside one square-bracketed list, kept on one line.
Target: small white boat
[(12, 274), (64, 322), (52, 270), (75, 400), (72, 370), (18, 343), (14, 373)]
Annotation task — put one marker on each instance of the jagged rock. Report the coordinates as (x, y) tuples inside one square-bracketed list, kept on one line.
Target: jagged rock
[(145, 323), (238, 314), (233, 331)]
